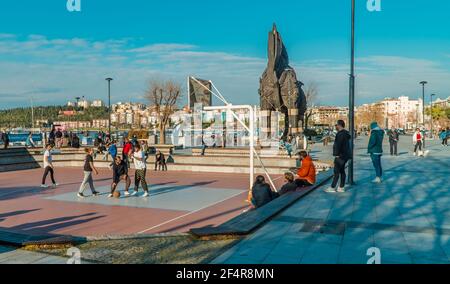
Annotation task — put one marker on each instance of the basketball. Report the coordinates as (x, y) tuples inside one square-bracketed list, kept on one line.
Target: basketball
[(116, 194)]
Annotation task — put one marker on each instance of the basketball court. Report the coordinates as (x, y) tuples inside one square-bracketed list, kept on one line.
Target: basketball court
[(178, 202)]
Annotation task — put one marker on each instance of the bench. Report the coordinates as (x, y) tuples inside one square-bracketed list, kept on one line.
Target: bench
[(249, 221), (21, 240)]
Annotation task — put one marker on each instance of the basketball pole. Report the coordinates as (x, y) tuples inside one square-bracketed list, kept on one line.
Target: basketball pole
[(250, 129)]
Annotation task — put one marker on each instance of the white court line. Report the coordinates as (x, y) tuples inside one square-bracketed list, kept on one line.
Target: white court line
[(187, 214)]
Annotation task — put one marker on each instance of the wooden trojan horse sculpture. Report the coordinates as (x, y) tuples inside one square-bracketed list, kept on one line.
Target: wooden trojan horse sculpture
[(280, 90)]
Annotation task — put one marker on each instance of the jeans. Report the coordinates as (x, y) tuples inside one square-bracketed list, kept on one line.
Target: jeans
[(87, 179), (48, 170), (339, 172), (376, 160), (139, 177), (393, 146), (418, 146), (116, 180)]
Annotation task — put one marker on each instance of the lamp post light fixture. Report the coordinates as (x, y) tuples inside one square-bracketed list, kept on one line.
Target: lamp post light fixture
[(423, 83), (109, 106)]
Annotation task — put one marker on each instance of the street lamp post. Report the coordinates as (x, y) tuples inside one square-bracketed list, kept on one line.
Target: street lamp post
[(423, 83), (431, 114), (109, 106), (351, 116)]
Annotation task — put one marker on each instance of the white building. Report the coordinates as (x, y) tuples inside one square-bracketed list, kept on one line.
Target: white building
[(97, 103), (402, 112)]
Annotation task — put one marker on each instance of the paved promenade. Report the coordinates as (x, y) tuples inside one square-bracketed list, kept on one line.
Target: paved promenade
[(178, 201), (9, 255), (407, 217)]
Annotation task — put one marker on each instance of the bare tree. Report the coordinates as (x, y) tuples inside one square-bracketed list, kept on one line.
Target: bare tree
[(163, 97), (311, 96)]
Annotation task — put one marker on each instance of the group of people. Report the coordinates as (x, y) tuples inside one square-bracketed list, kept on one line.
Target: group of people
[(120, 169), (262, 193), (132, 151)]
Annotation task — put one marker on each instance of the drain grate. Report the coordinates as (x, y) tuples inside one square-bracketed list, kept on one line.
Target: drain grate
[(327, 228)]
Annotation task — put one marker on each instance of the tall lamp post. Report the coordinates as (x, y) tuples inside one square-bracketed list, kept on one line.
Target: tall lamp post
[(431, 114), (109, 106), (351, 113), (423, 83)]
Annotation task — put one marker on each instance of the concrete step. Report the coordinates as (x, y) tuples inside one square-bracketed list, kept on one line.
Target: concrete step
[(185, 167)]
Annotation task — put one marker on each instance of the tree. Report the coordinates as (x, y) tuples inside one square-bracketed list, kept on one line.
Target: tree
[(163, 96), (311, 96)]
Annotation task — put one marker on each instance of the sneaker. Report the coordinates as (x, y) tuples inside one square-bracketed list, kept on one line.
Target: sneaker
[(340, 190), (134, 193), (377, 180), (55, 185), (330, 190), (80, 195), (126, 193), (110, 195), (96, 193), (44, 186), (145, 194)]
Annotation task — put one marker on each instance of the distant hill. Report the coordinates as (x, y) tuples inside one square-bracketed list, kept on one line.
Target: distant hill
[(21, 117)]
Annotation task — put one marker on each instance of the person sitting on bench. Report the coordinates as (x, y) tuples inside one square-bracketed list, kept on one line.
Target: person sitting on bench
[(262, 193), (307, 172), (290, 184)]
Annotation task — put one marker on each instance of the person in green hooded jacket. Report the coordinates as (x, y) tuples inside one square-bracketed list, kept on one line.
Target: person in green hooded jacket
[(375, 149)]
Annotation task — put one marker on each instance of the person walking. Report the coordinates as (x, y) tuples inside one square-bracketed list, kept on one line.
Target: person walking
[(417, 142), (341, 153), (29, 142), (52, 136), (58, 136), (160, 161), (444, 135), (112, 150), (120, 172), (126, 151), (141, 170), (5, 138), (393, 141), (48, 167), (88, 169), (375, 149)]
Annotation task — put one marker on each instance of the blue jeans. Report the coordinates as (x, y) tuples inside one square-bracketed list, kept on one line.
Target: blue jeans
[(376, 160)]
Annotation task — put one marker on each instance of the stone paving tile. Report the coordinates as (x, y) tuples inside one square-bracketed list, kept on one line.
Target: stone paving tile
[(407, 216), (327, 238), (358, 234), (395, 257), (280, 259), (321, 253), (21, 257), (290, 250), (254, 252), (241, 260), (52, 260)]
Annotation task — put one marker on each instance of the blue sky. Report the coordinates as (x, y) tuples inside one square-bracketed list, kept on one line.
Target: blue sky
[(53, 55)]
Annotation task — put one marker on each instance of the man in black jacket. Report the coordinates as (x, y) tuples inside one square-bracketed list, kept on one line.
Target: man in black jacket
[(341, 153), (393, 141)]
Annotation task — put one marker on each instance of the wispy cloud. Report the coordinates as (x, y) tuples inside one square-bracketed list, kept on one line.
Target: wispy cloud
[(56, 70)]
